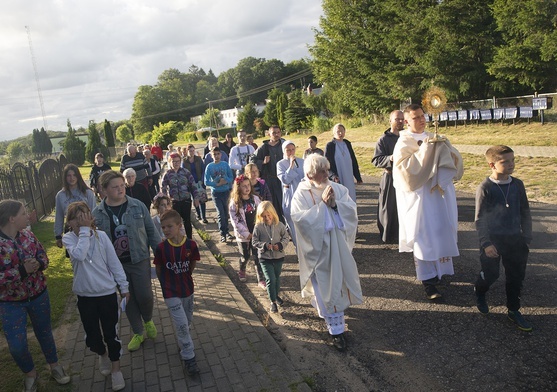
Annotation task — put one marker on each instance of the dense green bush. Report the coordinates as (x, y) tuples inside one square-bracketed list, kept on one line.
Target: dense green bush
[(322, 124)]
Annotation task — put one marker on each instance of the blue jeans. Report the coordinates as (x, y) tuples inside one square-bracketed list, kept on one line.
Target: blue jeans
[(181, 312), (14, 323), (221, 204), (272, 269)]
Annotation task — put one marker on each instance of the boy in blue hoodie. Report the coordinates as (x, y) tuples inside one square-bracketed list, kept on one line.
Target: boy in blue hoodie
[(219, 177)]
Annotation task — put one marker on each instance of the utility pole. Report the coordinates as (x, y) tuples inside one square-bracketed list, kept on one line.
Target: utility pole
[(36, 76)]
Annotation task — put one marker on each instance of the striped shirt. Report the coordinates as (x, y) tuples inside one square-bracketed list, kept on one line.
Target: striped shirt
[(175, 273)]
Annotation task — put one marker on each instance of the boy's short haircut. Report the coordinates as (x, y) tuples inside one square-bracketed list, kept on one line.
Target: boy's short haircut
[(99, 155), (495, 153), (314, 138), (412, 107), (215, 149), (172, 215)]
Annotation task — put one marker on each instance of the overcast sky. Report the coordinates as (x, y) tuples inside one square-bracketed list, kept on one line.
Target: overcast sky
[(92, 55)]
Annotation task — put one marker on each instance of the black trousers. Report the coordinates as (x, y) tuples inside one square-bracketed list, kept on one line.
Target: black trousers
[(184, 209), (513, 253), (247, 250), (93, 310)]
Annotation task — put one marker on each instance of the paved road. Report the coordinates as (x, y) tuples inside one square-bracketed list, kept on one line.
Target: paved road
[(399, 340)]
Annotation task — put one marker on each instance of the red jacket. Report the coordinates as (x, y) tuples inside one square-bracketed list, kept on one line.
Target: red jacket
[(157, 151)]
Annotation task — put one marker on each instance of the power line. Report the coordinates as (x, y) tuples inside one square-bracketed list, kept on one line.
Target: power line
[(280, 82)]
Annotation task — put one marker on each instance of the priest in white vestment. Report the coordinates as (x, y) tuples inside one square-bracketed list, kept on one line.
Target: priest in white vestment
[(326, 220), (423, 175)]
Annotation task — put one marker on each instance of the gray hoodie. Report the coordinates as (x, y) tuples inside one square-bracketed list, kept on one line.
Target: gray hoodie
[(275, 234)]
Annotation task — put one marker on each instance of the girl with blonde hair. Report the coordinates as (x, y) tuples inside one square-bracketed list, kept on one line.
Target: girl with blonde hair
[(270, 238)]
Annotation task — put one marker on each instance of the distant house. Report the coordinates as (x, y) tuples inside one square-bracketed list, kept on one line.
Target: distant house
[(229, 117), (57, 142)]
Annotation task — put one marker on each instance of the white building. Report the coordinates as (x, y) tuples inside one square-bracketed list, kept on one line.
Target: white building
[(229, 117)]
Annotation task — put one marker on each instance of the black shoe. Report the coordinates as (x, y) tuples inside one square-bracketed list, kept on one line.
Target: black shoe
[(198, 217), (431, 292), (222, 239), (481, 303), (516, 317), (274, 308), (339, 342), (279, 301), (205, 220), (230, 237), (191, 366)]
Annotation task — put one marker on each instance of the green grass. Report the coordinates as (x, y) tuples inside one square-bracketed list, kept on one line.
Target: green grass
[(59, 280), (204, 235), (220, 259), (85, 169)]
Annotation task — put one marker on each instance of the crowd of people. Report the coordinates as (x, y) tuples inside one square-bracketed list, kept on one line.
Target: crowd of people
[(270, 196)]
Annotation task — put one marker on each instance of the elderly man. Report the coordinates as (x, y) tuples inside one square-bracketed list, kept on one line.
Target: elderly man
[(326, 214), (137, 161), (266, 158), (423, 175), (387, 218)]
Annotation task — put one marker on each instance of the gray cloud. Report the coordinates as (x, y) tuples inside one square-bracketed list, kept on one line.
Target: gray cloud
[(93, 55)]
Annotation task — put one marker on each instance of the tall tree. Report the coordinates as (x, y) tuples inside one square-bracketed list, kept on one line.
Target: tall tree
[(36, 142), (247, 117), (73, 147), (46, 143), (297, 115), (459, 48), (528, 55), (282, 104), (108, 134), (394, 49), (94, 144)]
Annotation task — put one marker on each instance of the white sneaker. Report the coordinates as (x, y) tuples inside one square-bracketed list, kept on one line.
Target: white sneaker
[(118, 382), (105, 365), (59, 374), (30, 384)]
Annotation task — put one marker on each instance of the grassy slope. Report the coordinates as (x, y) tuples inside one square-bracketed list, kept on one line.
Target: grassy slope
[(538, 174)]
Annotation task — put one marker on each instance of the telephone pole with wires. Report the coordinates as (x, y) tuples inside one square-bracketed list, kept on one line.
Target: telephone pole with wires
[(36, 76)]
